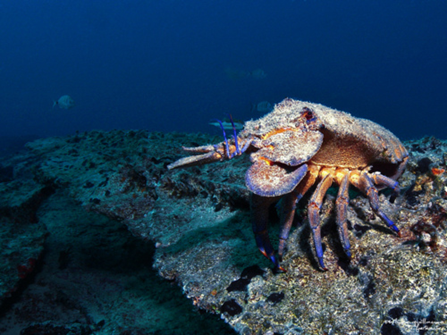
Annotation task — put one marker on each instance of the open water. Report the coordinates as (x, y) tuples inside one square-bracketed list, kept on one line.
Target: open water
[(175, 65)]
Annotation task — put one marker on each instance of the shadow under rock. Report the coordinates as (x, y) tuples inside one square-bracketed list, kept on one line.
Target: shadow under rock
[(93, 262)]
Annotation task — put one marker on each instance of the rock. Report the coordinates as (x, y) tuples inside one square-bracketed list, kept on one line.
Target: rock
[(199, 220), (22, 237)]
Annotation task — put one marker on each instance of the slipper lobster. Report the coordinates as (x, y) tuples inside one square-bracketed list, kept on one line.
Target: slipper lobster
[(300, 144)]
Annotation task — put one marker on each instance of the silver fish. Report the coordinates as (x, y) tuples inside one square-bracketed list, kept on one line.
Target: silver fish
[(64, 102)]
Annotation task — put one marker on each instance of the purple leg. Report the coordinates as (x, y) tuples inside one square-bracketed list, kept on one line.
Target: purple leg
[(225, 138), (367, 187), (238, 152), (236, 141), (342, 206), (314, 216), (259, 216), (288, 205), (381, 180)]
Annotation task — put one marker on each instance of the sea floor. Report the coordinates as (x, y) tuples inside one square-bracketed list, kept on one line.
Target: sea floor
[(99, 237), (95, 281)]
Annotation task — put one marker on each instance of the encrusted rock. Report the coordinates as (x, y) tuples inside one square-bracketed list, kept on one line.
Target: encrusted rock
[(200, 221)]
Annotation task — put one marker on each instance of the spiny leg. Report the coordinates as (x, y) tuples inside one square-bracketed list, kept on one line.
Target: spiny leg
[(384, 181), (381, 180), (401, 167), (314, 215), (342, 205), (259, 217), (288, 205), (367, 187)]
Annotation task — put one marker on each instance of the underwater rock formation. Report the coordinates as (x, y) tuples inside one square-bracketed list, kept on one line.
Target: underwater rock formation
[(22, 237), (199, 221)]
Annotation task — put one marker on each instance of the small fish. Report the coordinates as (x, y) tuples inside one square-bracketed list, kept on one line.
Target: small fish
[(227, 125), (64, 102), (264, 107)]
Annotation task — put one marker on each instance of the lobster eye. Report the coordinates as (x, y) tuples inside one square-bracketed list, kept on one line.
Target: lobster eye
[(308, 114)]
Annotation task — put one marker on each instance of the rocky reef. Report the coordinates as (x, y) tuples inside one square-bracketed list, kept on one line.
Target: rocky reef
[(195, 223)]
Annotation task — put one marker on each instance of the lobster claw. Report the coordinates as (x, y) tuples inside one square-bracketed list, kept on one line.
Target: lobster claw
[(259, 219), (268, 183), (271, 180)]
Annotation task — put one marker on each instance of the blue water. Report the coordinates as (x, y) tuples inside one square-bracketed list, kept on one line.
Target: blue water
[(161, 65)]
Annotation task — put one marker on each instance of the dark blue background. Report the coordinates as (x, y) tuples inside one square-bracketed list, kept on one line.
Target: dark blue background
[(160, 65)]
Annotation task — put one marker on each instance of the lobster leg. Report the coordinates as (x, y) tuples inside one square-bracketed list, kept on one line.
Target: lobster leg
[(314, 215), (289, 204), (342, 205), (384, 181), (366, 185), (259, 216)]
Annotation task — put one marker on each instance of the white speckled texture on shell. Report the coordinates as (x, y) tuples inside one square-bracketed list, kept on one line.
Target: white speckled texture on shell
[(349, 141)]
